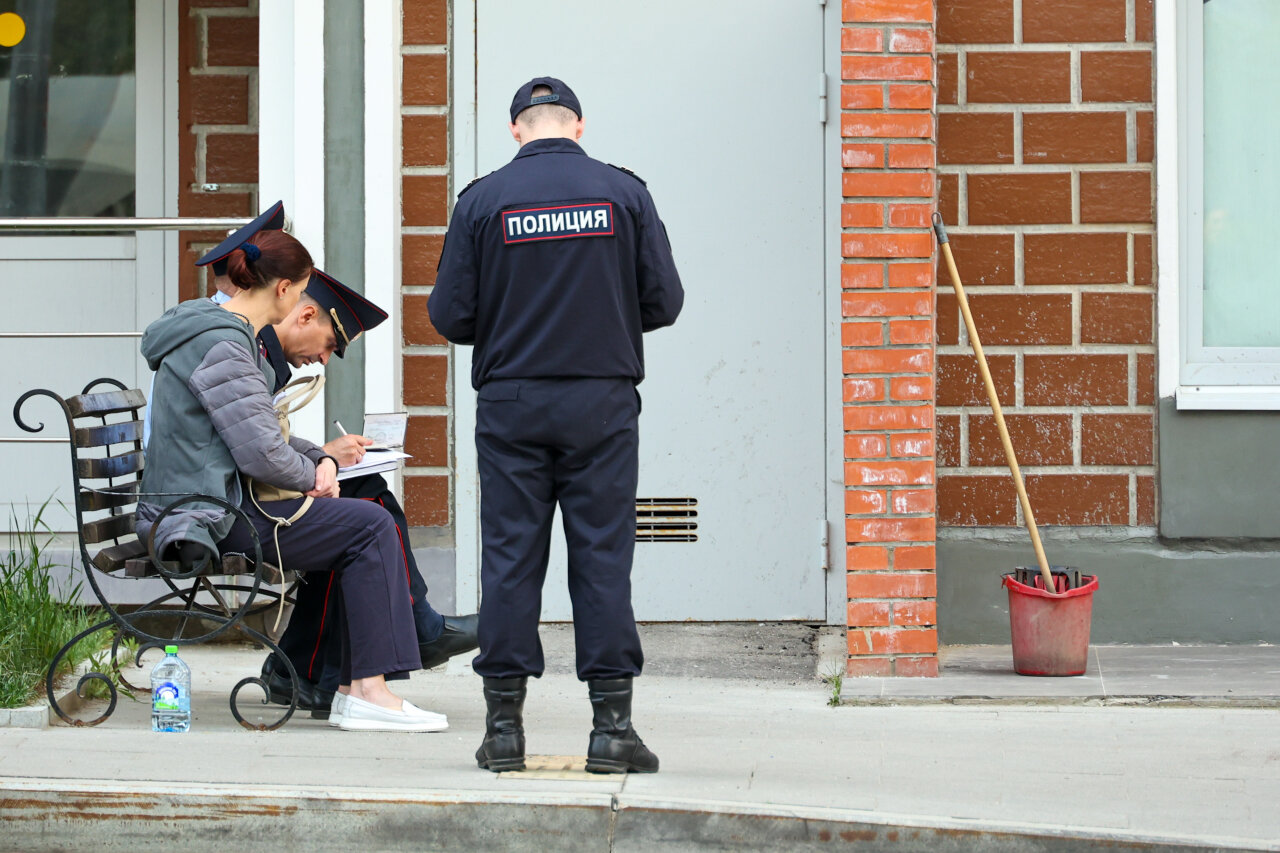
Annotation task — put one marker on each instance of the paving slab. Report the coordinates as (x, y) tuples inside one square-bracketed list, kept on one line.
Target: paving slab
[(1237, 676), (749, 763)]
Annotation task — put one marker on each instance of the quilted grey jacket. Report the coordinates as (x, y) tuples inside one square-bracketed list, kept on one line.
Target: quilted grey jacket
[(211, 420)]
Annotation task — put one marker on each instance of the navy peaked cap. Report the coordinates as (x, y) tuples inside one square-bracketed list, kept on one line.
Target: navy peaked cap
[(349, 312), (272, 219), (561, 95)]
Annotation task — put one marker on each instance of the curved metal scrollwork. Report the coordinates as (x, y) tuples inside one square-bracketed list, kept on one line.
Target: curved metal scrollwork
[(115, 657), (266, 695), (111, 678), (105, 380), (174, 569), (84, 679), (37, 392)]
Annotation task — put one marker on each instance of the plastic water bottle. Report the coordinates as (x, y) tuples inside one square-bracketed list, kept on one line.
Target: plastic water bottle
[(170, 693)]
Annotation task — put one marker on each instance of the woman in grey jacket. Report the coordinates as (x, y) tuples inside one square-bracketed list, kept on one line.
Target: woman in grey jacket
[(212, 421)]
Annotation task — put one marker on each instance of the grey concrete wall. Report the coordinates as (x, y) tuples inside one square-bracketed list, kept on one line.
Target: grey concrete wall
[(1219, 473), (344, 192), (1150, 590)]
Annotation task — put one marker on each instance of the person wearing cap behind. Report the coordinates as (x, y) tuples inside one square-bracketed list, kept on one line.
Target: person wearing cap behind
[(328, 318), (552, 268), (212, 422)]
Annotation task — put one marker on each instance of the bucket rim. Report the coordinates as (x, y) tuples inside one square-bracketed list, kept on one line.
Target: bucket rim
[(1088, 588)]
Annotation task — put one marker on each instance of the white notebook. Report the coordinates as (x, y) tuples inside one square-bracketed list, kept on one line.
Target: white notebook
[(374, 462)]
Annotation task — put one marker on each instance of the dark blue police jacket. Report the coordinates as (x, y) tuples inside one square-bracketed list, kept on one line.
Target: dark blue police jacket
[(553, 266)]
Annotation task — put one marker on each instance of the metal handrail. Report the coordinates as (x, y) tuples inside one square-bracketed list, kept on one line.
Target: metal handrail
[(110, 224), (102, 225)]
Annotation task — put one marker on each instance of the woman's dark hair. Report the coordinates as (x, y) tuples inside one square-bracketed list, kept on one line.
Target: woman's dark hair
[(269, 255)]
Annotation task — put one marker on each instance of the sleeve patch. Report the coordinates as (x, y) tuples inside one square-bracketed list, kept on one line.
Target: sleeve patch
[(594, 219)]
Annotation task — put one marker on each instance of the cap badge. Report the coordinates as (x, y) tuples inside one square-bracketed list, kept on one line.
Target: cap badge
[(337, 324)]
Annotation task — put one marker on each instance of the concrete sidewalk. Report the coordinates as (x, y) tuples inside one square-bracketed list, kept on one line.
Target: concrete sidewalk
[(753, 758)]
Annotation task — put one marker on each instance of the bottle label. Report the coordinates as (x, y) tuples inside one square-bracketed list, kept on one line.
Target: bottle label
[(165, 697)]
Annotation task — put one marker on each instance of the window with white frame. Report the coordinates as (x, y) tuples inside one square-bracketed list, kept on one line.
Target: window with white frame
[(1229, 211)]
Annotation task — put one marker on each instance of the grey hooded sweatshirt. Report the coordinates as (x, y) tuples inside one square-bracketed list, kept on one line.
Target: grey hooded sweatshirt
[(211, 420)]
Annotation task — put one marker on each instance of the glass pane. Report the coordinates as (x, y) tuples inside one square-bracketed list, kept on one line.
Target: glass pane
[(1241, 173), (67, 108)]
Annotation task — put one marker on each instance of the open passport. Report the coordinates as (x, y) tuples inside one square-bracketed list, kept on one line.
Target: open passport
[(387, 431)]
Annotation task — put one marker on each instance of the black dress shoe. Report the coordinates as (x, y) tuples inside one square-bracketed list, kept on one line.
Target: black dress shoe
[(459, 635), (280, 688)]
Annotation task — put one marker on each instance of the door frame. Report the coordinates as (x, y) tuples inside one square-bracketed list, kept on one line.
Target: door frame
[(155, 254), (157, 79), (466, 491)]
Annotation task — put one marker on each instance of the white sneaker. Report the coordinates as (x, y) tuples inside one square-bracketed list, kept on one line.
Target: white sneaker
[(361, 716), (335, 711)]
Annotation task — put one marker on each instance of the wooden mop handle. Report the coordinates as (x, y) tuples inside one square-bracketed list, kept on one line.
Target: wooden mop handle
[(1009, 456)]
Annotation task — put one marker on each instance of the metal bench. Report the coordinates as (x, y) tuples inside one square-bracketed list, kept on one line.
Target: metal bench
[(105, 429)]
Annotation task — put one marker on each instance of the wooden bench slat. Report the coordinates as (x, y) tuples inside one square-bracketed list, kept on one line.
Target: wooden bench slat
[(114, 496), (111, 527), (110, 466), (232, 564), (106, 402), (101, 436), (113, 557), (235, 564)]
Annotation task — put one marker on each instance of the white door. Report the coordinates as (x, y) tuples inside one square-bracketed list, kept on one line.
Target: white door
[(714, 103), (82, 118)]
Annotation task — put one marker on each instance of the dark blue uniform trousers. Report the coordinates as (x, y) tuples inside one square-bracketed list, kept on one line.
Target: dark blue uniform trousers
[(312, 640), (574, 442), (357, 542)]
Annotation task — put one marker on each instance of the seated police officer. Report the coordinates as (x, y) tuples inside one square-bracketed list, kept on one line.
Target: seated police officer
[(317, 328), (552, 268), (311, 333)]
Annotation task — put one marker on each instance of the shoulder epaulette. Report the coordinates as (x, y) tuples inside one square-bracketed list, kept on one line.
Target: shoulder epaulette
[(629, 172), (473, 182)]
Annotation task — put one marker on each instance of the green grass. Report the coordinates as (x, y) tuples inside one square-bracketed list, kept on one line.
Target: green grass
[(36, 623), (835, 678)]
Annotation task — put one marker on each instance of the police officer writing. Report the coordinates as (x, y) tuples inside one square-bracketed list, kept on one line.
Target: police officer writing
[(553, 267), (330, 317)]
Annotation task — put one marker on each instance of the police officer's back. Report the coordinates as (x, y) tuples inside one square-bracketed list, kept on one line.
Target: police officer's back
[(553, 267)]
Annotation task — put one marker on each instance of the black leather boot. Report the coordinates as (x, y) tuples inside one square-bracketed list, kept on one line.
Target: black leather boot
[(615, 747), (503, 747)]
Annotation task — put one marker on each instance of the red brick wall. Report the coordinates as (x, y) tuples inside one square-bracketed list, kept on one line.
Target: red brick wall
[(425, 208), (1045, 148), (887, 335), (217, 123)]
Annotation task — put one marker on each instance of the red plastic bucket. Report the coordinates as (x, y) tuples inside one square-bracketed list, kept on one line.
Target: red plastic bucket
[(1050, 632)]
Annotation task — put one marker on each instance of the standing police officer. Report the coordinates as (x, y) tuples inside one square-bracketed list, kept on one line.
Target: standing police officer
[(552, 268)]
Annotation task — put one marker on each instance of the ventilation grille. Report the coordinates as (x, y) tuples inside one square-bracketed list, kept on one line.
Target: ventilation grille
[(666, 519)]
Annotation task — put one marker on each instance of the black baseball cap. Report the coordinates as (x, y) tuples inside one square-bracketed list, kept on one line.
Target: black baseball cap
[(561, 95), (271, 219), (349, 312)]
